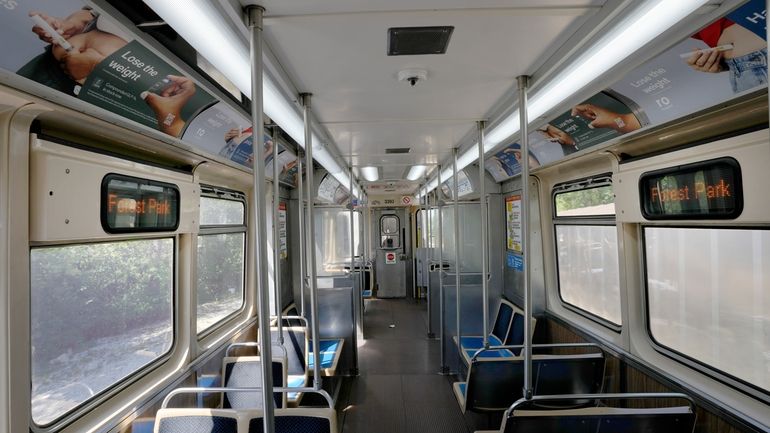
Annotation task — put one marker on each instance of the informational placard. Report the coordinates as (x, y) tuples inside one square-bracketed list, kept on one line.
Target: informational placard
[(390, 258), (513, 223), (515, 261), (704, 190), (134, 205), (282, 230)]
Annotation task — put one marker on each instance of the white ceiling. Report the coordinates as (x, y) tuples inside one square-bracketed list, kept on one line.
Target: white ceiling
[(336, 49)]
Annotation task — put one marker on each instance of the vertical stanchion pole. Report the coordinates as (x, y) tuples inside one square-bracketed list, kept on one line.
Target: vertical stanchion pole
[(277, 239), (301, 219), (312, 284), (523, 82), (484, 239), (456, 194), (424, 242), (255, 14), (442, 301), (357, 295)]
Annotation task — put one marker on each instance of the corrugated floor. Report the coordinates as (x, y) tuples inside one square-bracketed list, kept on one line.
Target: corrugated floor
[(398, 389)]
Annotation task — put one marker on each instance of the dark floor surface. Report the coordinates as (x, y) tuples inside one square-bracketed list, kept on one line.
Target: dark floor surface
[(399, 388)]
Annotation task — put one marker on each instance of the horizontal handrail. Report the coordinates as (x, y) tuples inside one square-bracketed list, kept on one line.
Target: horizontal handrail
[(199, 390), (610, 396), (534, 346), (300, 318), (251, 344)]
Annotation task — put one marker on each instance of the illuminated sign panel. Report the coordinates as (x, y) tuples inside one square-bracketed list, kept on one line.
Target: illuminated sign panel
[(704, 190), (132, 205)]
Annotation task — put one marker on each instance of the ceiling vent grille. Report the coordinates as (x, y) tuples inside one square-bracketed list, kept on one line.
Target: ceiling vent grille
[(393, 150), (411, 41)]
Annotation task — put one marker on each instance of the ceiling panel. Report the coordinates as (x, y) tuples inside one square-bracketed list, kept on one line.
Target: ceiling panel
[(336, 49)]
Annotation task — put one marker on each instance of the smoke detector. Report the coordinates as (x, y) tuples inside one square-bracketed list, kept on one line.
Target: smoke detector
[(412, 76)]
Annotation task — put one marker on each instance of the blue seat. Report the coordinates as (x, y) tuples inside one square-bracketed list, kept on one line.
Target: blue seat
[(494, 384), (500, 328), (304, 420), (331, 350)]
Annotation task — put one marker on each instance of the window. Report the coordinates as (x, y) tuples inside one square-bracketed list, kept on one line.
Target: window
[(221, 254), (390, 227), (708, 294), (587, 248), (99, 313)]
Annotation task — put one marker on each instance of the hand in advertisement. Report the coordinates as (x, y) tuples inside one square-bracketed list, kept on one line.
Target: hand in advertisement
[(604, 118), (67, 27), (233, 133), (169, 103), (79, 62), (707, 60)]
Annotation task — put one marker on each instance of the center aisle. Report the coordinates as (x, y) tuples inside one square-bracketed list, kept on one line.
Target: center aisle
[(398, 389)]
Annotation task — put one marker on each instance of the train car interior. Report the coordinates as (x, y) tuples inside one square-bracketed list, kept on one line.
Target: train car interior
[(418, 216)]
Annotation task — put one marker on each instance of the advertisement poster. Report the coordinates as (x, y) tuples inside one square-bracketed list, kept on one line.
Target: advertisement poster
[(506, 163), (513, 223), (328, 188), (69, 47), (464, 185), (726, 58), (282, 230)]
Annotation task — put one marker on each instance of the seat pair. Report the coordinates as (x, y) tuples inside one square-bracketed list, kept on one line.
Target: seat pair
[(494, 384), (507, 330), (297, 420)]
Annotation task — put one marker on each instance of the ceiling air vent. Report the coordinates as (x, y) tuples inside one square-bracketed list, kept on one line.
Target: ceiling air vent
[(410, 41), (392, 150)]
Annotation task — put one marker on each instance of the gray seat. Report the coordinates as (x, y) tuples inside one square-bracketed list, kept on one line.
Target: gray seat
[(196, 421), (246, 372), (521, 418)]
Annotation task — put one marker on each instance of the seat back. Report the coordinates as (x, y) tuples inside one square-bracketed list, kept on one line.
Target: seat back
[(304, 420), (568, 374), (603, 420), (493, 384), (295, 342), (196, 421), (246, 372), (502, 323)]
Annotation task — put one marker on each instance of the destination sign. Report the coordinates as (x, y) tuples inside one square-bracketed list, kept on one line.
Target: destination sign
[(704, 190), (131, 204)]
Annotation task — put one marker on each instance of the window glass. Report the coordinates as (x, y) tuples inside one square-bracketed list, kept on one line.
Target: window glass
[(220, 277), (99, 313), (389, 225), (218, 212), (588, 269), (586, 202), (709, 297)]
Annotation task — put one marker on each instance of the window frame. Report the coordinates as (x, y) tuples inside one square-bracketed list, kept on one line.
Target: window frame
[(710, 371), (221, 229), (585, 183), (97, 399)]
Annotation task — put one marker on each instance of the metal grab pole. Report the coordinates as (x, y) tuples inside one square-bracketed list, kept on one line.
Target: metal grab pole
[(277, 239), (442, 301), (305, 97), (484, 239), (301, 219), (457, 248), (523, 82), (255, 14)]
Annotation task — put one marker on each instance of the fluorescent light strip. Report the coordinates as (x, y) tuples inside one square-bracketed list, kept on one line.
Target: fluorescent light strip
[(370, 173), (229, 54), (623, 40), (416, 172)]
